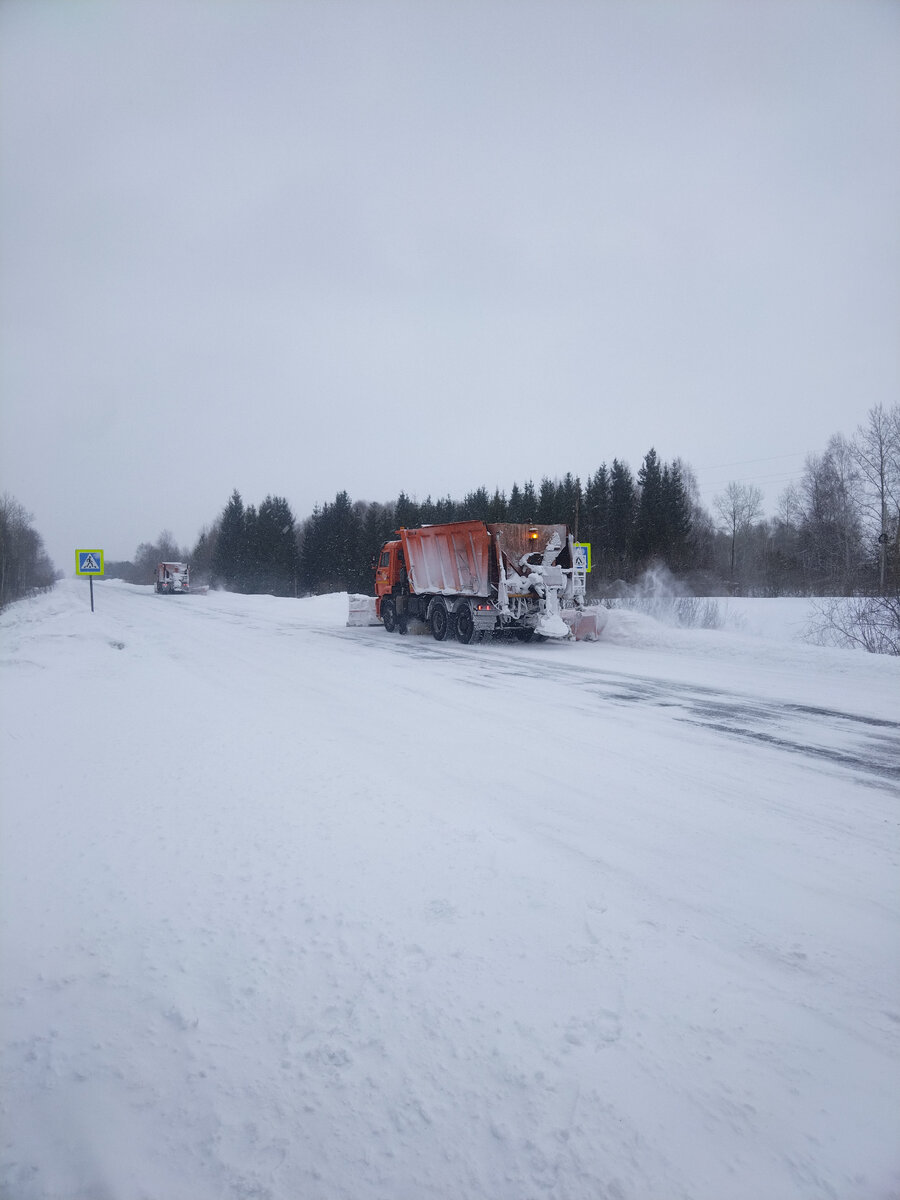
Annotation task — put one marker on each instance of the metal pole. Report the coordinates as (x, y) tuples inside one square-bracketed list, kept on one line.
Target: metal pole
[(91, 581)]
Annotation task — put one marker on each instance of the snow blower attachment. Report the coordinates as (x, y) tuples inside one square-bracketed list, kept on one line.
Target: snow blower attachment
[(474, 580)]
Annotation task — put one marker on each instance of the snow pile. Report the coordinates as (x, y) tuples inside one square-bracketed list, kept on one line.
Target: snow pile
[(290, 910)]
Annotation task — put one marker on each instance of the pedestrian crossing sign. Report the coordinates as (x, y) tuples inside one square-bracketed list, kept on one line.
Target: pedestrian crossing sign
[(88, 562), (583, 556)]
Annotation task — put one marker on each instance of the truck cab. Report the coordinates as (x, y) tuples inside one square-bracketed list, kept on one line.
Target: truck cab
[(390, 572)]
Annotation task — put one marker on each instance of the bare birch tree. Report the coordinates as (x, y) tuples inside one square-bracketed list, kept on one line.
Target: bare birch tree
[(876, 450), (737, 508)]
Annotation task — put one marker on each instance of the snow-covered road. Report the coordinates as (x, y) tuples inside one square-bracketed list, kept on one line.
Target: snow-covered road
[(291, 910)]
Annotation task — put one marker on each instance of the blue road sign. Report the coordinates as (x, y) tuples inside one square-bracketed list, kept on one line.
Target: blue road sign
[(89, 562)]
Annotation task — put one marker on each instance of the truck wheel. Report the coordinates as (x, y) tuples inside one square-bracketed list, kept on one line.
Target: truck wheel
[(465, 624), (388, 615), (440, 620), (402, 623)]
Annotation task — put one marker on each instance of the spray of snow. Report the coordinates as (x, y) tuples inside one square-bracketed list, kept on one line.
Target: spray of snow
[(660, 597)]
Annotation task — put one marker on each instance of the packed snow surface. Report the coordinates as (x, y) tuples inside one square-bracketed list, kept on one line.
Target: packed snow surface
[(296, 911)]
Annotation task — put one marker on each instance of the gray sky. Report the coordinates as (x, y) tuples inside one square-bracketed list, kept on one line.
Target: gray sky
[(294, 246)]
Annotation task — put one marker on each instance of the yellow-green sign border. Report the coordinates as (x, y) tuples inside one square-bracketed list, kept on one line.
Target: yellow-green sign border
[(78, 570), (585, 546)]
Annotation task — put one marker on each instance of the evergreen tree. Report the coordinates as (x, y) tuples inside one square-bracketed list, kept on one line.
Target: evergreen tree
[(311, 552), (475, 505), (594, 525), (201, 556), (229, 557), (546, 504), (249, 580), (276, 548), (331, 555), (377, 527), (427, 510), (529, 502), (515, 508), (648, 539), (567, 506), (406, 512), (497, 508), (344, 530), (622, 508), (677, 517)]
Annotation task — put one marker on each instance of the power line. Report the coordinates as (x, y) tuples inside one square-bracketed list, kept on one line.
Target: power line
[(746, 462)]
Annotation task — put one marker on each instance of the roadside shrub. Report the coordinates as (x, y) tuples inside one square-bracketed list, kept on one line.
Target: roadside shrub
[(870, 623)]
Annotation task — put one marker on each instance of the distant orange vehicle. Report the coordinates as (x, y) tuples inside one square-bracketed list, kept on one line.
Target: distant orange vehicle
[(472, 580)]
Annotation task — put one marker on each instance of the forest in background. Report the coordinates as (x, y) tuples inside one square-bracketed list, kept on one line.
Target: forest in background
[(835, 532)]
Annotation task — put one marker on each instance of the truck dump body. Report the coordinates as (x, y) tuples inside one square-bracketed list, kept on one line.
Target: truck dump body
[(448, 560)]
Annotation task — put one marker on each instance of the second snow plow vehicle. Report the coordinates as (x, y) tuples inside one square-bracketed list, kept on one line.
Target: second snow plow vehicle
[(173, 578), (473, 580)]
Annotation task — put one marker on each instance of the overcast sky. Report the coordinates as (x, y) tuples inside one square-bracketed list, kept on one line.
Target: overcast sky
[(295, 246)]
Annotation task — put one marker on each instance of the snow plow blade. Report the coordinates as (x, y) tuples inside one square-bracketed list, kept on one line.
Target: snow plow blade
[(361, 611), (586, 624)]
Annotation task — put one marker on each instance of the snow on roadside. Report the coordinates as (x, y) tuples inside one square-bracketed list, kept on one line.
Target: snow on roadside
[(288, 909)]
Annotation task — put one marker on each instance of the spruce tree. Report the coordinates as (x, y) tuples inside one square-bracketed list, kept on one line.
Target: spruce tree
[(406, 513), (649, 527), (276, 547), (677, 516), (546, 503), (475, 505), (568, 501), (529, 502), (497, 508), (249, 580), (622, 507), (595, 520), (515, 507), (229, 556)]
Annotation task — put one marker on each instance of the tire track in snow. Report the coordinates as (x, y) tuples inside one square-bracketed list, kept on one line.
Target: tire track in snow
[(868, 747)]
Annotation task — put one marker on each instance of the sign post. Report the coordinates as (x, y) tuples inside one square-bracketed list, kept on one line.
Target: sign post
[(90, 563)]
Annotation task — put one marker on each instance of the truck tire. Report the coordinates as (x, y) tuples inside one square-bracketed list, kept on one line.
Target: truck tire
[(388, 615), (465, 624), (440, 620)]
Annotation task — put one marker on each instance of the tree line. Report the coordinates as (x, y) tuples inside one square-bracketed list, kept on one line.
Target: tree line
[(837, 530), (24, 565)]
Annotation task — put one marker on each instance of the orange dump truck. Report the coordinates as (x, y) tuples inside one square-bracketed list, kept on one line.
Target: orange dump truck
[(473, 580)]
